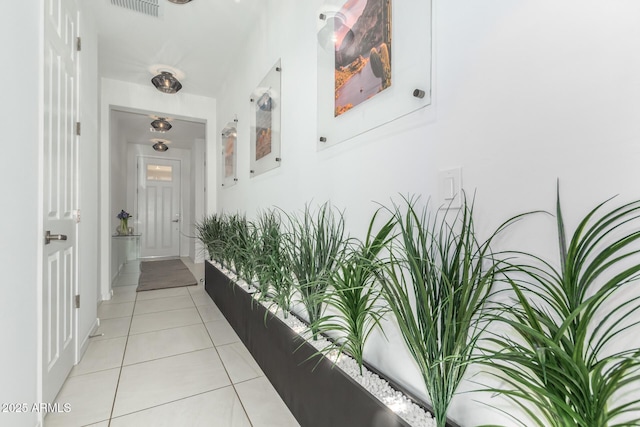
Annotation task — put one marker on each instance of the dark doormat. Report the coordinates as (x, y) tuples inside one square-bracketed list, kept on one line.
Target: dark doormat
[(168, 273)]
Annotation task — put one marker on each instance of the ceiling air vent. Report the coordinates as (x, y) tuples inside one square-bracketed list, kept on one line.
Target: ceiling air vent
[(148, 7)]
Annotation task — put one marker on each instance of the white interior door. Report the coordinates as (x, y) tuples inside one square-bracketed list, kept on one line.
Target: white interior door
[(159, 207), (60, 194)]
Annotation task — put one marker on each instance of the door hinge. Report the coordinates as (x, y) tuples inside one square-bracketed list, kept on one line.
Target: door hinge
[(77, 301), (78, 44), (78, 128)]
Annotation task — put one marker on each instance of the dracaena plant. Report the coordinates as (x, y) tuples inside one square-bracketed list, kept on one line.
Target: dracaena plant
[(268, 250), (273, 263), (315, 244), (281, 284), (239, 242), (209, 232), (233, 224), (437, 284), (354, 294), (556, 359), (226, 236)]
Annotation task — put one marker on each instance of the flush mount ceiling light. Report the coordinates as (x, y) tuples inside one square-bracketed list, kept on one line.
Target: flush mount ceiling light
[(160, 125), (180, 1), (160, 146), (166, 82)]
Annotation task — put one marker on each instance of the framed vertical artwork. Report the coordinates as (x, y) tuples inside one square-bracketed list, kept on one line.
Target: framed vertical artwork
[(374, 65), (229, 154), (362, 62), (265, 123)]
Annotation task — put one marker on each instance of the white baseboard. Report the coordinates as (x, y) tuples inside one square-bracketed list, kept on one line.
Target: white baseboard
[(115, 277), (107, 296), (85, 341)]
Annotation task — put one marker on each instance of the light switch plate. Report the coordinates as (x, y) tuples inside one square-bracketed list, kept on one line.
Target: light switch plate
[(450, 188)]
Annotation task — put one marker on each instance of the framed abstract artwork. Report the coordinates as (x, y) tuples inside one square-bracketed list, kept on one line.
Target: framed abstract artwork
[(265, 123), (374, 65), (229, 154)]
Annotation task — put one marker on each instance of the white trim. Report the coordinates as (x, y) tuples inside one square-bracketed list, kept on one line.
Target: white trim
[(40, 225), (107, 296), (82, 346)]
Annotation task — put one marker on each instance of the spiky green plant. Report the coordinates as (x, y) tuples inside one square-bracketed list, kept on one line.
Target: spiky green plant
[(282, 284), (226, 250), (437, 284), (315, 244), (274, 271), (556, 358), (269, 253), (354, 295), (243, 244), (209, 232)]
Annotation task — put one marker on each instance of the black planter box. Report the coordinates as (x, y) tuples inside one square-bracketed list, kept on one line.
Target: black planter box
[(317, 394)]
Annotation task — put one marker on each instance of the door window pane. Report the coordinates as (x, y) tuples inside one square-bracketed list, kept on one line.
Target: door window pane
[(159, 173)]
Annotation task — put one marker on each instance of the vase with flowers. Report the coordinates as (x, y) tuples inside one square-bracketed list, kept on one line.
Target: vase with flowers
[(123, 228)]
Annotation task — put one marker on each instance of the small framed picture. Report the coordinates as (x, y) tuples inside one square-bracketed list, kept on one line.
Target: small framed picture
[(265, 123), (229, 154)]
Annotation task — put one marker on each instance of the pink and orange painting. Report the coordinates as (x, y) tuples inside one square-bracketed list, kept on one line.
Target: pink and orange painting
[(362, 52), (229, 154)]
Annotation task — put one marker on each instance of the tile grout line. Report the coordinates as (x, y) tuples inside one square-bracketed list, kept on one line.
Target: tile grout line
[(242, 405), (168, 357), (223, 365), (122, 365), (111, 417), (164, 329), (162, 311), (186, 397), (115, 395), (167, 403)]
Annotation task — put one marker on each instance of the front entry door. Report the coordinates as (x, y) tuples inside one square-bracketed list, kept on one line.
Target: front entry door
[(60, 171), (159, 207)]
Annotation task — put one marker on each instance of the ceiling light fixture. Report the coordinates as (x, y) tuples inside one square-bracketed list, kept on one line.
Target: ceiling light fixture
[(160, 125), (160, 146), (166, 82), (180, 1)]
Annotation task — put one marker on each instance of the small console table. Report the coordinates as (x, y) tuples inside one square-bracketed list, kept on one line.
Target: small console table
[(128, 248)]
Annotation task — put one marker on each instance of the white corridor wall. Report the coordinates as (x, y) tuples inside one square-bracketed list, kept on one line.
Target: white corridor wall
[(21, 193), (19, 252), (524, 93)]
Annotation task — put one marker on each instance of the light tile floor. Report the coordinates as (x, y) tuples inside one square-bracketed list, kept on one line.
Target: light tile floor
[(167, 358)]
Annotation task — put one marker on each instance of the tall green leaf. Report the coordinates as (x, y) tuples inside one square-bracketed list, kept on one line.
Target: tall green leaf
[(437, 285), (315, 243), (556, 358), (354, 295)]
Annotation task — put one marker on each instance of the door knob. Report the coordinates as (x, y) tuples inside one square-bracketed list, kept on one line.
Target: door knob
[(175, 220), (48, 237)]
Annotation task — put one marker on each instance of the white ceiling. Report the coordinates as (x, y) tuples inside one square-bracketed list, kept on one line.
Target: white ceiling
[(196, 38)]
